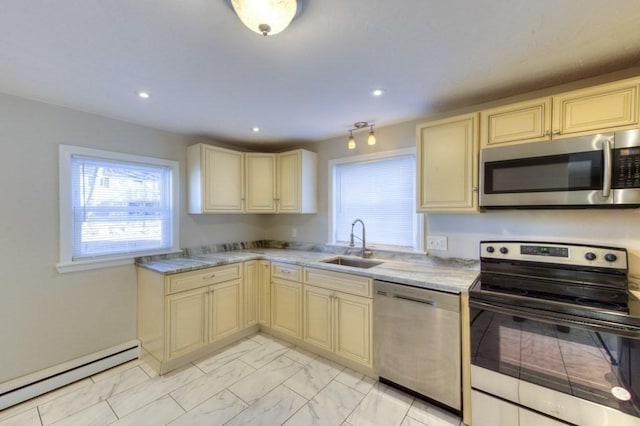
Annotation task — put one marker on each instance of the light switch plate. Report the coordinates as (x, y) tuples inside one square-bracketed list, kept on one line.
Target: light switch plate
[(435, 242)]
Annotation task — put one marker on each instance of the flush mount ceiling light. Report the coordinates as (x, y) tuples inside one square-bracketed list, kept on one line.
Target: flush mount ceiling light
[(371, 140), (266, 17), (377, 92), (143, 95)]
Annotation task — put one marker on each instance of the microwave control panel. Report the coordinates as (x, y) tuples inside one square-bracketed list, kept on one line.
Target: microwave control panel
[(626, 168)]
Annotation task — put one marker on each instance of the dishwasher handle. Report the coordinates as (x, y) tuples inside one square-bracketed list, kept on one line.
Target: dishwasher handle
[(412, 299)]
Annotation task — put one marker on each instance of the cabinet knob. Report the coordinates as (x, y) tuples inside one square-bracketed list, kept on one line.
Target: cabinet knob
[(206, 277)]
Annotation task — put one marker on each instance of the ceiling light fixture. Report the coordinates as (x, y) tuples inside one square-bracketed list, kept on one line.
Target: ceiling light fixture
[(143, 95), (377, 92), (352, 142), (255, 129), (266, 17), (371, 140)]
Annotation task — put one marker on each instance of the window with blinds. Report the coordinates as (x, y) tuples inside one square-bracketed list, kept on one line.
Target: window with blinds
[(115, 205), (381, 192)]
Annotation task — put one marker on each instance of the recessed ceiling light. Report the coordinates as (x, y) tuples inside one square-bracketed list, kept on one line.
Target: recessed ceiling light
[(255, 129), (143, 95), (377, 92)]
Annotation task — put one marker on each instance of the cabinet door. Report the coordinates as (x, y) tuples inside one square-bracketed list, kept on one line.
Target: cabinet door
[(225, 309), (223, 180), (318, 316), (289, 180), (264, 293), (602, 108), (528, 121), (353, 318), (261, 183), (286, 307), (186, 322), (448, 165), (250, 292)]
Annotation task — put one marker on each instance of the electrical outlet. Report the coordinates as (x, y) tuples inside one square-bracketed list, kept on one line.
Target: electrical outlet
[(437, 243)]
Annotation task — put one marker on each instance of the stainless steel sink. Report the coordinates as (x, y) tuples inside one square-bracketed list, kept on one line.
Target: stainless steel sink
[(353, 262)]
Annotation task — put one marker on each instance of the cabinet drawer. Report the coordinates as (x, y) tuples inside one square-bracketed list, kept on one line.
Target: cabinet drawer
[(203, 277), (347, 283), (286, 272)]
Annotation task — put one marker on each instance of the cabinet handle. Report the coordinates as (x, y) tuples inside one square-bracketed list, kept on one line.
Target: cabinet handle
[(206, 277), (285, 272), (474, 189), (547, 133)]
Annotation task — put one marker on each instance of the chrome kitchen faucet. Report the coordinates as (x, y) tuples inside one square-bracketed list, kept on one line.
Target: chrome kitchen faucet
[(365, 252)]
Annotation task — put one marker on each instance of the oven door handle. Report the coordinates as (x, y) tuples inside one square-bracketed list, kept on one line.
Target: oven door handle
[(551, 318)]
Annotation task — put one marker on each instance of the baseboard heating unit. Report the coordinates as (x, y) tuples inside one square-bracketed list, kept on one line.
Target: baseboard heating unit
[(23, 388)]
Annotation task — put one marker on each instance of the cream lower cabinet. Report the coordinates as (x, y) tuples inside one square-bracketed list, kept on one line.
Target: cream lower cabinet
[(187, 326), (184, 316), (338, 321), (257, 293), (447, 165), (225, 310), (286, 307)]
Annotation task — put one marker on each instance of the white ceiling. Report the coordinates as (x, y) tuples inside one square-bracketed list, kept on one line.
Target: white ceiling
[(209, 75)]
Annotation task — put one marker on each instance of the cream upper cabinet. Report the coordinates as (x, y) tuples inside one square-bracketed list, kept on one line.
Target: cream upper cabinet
[(216, 179), (528, 121), (604, 108), (607, 107), (227, 181), (260, 190), (339, 321), (297, 188), (447, 165)]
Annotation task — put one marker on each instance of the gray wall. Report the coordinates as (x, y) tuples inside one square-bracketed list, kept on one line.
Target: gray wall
[(465, 231), (48, 318)]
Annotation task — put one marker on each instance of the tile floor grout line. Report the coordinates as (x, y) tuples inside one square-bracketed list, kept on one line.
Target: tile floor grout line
[(114, 411), (176, 401), (39, 415)]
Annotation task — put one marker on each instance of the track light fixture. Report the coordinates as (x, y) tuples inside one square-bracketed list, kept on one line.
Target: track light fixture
[(371, 140)]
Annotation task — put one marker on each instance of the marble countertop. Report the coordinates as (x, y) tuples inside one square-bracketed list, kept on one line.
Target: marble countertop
[(450, 275)]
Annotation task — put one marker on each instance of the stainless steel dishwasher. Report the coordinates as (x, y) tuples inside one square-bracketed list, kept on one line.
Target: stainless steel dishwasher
[(417, 341)]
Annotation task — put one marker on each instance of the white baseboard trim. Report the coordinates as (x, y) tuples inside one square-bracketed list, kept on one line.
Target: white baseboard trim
[(23, 388)]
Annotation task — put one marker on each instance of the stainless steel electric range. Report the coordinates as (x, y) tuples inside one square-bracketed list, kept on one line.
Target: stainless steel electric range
[(555, 336)]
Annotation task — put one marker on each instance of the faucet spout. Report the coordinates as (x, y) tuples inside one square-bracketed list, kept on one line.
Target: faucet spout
[(363, 239)]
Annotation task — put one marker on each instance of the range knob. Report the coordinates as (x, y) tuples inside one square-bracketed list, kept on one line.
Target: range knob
[(590, 256), (610, 257), (490, 249), (504, 250)]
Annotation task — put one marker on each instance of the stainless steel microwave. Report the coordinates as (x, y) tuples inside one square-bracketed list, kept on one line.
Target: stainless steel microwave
[(591, 171)]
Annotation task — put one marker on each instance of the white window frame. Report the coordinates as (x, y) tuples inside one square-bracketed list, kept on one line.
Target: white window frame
[(419, 235), (67, 263)]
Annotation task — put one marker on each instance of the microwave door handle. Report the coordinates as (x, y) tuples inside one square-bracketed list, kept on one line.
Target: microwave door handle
[(606, 184)]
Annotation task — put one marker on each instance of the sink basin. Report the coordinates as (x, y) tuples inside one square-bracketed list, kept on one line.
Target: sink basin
[(353, 262)]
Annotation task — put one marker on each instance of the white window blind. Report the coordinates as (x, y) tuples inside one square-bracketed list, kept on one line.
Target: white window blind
[(119, 207), (381, 193)]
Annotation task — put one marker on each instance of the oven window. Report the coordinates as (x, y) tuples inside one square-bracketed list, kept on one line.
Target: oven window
[(567, 172), (575, 361)]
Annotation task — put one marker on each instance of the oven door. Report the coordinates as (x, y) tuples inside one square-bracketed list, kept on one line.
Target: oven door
[(567, 172), (574, 360)]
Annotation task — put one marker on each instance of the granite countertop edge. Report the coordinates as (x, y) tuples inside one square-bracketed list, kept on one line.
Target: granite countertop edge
[(449, 275)]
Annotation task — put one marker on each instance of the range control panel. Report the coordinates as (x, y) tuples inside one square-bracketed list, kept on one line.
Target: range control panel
[(626, 168), (557, 253)]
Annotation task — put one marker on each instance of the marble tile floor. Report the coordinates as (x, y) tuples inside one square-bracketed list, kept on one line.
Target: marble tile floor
[(256, 381)]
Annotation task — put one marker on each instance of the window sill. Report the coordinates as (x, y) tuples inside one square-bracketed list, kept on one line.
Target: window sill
[(89, 264)]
